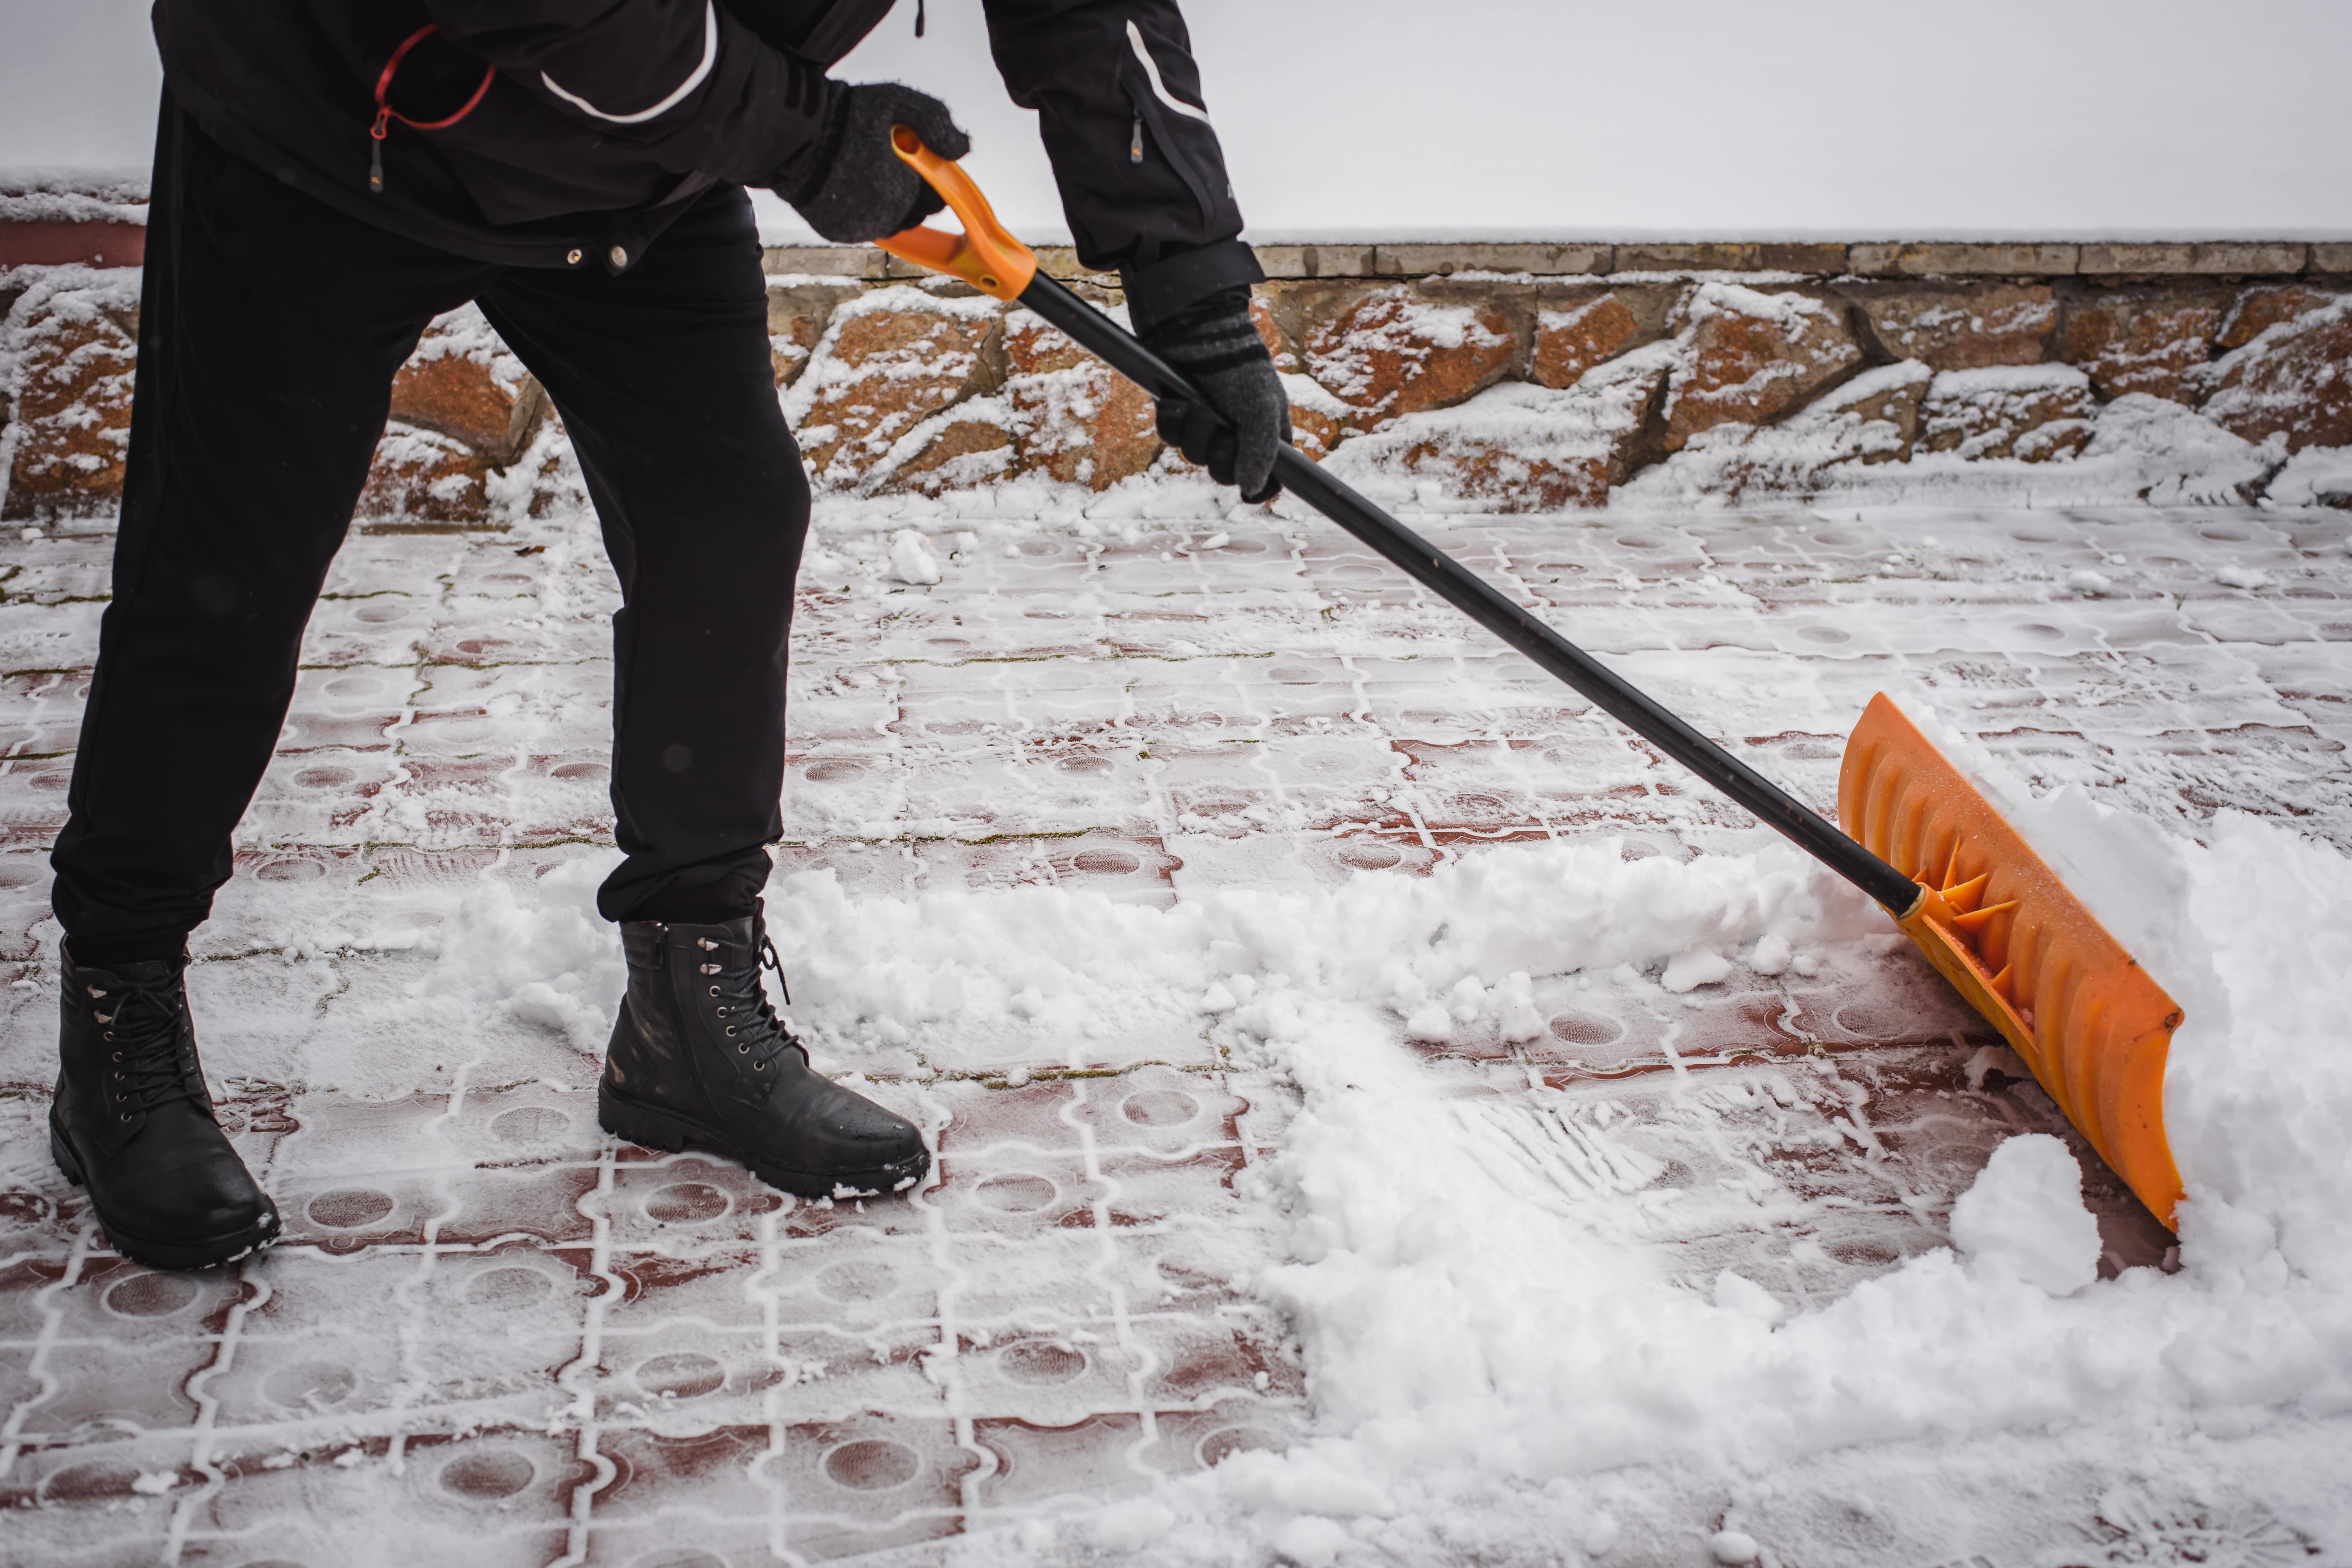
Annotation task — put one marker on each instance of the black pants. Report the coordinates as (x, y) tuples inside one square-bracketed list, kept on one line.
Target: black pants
[(269, 331)]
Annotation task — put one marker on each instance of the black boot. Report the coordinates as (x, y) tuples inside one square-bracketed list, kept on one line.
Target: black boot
[(700, 1060), (131, 1120)]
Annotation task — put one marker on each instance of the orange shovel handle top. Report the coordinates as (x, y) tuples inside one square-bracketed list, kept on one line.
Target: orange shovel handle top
[(983, 255)]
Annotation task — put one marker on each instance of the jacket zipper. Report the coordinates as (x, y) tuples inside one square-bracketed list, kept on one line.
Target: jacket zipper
[(386, 114)]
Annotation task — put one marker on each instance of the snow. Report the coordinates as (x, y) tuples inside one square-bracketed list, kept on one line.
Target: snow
[(1732, 1547), (1546, 1308), (2316, 476), (1478, 1286), (2141, 448), (34, 195), (1530, 1303), (912, 560), (2248, 932), (2024, 1219), (1310, 1540)]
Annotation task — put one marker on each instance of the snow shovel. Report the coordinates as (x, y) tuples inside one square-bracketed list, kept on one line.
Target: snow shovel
[(1918, 837)]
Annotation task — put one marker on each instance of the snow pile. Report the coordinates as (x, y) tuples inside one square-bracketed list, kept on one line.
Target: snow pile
[(2316, 476), (2250, 934), (537, 951), (1479, 1288), (2140, 448), (1480, 1284), (1274, 966), (2258, 1096), (2024, 1217), (911, 561)]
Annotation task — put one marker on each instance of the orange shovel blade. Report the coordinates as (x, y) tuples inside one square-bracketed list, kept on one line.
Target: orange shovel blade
[(1999, 924)]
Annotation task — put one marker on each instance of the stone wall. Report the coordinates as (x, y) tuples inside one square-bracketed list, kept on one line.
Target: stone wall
[(1505, 377)]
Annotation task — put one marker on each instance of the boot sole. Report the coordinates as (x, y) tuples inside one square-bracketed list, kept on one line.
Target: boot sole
[(666, 1131), (149, 1253)]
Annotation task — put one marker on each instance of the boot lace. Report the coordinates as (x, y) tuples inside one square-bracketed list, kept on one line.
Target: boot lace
[(747, 1018), (142, 1036)]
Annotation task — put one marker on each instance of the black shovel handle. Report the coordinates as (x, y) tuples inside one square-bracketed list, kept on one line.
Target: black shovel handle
[(1474, 598)]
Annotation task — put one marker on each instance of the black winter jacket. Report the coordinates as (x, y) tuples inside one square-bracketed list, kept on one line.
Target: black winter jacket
[(592, 122)]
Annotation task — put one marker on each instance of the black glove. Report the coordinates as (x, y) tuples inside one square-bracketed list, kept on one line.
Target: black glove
[(850, 185), (1247, 419)]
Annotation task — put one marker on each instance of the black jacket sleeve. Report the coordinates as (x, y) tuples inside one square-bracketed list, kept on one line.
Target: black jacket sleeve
[(1142, 177)]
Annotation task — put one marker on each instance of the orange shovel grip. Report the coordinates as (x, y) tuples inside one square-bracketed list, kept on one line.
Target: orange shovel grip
[(983, 255)]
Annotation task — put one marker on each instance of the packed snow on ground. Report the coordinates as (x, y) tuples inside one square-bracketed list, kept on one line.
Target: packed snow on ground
[(1495, 1349), (1503, 1365)]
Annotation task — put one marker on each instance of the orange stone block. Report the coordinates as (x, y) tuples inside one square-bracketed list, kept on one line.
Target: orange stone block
[(1745, 358), (1393, 353), (1569, 342), (78, 350), (2138, 341)]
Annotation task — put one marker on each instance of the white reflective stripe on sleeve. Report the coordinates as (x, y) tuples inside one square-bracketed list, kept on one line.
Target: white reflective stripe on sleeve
[(709, 59), (1151, 70)]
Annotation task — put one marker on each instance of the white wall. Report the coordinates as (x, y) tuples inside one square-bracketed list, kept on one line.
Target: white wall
[(77, 84), (1531, 117)]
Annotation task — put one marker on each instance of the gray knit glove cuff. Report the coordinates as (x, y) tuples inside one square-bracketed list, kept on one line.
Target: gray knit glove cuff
[(1247, 419)]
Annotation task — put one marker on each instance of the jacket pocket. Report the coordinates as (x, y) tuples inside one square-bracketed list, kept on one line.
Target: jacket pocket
[(1155, 124)]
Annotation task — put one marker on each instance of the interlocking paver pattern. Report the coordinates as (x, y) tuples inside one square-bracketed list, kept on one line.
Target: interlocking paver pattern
[(492, 1335)]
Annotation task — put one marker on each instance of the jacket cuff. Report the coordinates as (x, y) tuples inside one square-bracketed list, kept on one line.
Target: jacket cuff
[(1162, 290)]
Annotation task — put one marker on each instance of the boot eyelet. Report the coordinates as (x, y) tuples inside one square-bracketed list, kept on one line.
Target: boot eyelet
[(744, 1050), (759, 1066), (126, 1116), (714, 991), (117, 1056), (722, 1011), (107, 1035), (730, 1031)]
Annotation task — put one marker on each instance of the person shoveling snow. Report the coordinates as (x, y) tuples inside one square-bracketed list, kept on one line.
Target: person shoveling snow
[(329, 179)]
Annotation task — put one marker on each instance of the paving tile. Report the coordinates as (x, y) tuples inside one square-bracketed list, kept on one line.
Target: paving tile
[(493, 1334)]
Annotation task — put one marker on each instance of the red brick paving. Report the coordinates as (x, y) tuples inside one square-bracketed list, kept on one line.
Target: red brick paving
[(491, 1335)]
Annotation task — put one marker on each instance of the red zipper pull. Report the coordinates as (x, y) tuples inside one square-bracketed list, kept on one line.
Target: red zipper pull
[(375, 152)]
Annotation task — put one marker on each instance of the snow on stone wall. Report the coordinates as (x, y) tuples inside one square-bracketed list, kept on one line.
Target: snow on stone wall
[(1676, 374)]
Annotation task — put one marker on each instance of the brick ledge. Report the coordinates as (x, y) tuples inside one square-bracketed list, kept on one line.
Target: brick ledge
[(52, 242), (2203, 258)]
